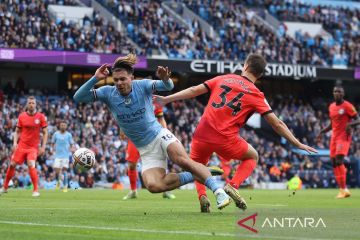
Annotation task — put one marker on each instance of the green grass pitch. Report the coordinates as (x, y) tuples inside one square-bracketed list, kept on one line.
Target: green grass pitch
[(102, 214)]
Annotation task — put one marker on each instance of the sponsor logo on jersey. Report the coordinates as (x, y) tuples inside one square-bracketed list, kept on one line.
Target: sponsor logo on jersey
[(132, 116), (37, 121), (341, 111)]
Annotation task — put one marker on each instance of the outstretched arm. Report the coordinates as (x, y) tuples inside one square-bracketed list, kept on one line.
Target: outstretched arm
[(190, 92), (166, 84), (84, 93), (161, 85), (355, 122), (281, 129)]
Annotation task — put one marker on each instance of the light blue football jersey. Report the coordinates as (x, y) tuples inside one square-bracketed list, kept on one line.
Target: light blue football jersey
[(62, 143), (134, 112)]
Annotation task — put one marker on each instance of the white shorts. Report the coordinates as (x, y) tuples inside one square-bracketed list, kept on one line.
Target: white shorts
[(61, 163), (154, 155)]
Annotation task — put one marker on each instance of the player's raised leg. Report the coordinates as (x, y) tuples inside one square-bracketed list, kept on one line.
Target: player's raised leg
[(156, 179), (168, 194), (200, 172)]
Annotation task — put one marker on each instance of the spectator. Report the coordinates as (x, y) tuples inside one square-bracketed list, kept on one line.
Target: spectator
[(50, 183), (36, 29), (74, 182)]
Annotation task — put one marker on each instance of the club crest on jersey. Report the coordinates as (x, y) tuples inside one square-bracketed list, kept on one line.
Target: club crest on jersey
[(37, 121), (127, 101), (341, 111)]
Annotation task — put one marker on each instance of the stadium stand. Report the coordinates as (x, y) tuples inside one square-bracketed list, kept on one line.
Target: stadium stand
[(156, 32), (149, 25), (29, 25), (341, 22)]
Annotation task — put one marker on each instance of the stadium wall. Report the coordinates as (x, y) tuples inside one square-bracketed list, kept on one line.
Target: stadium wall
[(30, 78), (279, 77)]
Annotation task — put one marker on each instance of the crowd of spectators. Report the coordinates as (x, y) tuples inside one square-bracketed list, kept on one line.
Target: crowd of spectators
[(236, 29), (341, 22), (238, 34), (92, 126), (150, 26), (156, 31), (28, 24)]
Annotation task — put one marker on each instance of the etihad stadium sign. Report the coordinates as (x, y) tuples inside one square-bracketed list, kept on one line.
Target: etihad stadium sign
[(287, 70), (272, 69)]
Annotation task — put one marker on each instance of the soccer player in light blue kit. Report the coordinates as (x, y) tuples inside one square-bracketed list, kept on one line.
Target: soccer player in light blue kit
[(62, 141), (130, 102)]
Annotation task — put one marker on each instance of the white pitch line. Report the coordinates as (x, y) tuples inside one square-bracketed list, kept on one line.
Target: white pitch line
[(33, 208), (118, 229), (160, 231)]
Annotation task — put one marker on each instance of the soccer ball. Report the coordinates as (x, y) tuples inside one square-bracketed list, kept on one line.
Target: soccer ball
[(84, 159)]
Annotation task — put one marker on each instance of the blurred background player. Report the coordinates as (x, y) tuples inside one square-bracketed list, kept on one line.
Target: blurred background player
[(225, 165), (131, 104), (341, 112), (62, 142), (133, 156), (233, 99), (26, 143)]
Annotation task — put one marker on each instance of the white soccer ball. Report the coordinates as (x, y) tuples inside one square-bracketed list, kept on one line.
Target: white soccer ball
[(84, 158)]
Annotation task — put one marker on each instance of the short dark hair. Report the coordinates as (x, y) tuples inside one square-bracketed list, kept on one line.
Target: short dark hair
[(257, 64), (339, 86)]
